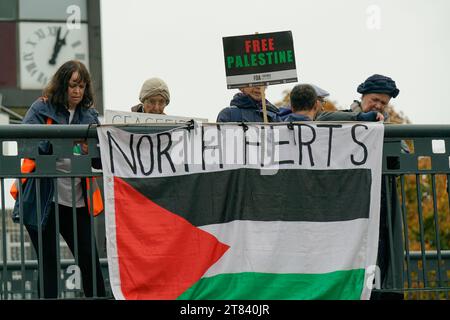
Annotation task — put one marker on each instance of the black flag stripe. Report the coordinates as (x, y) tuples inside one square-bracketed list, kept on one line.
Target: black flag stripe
[(245, 194)]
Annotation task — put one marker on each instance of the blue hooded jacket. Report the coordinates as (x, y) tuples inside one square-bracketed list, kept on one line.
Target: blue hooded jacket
[(284, 112), (38, 113), (244, 109)]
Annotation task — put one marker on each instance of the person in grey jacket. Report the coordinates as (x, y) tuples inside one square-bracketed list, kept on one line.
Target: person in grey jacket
[(377, 90)]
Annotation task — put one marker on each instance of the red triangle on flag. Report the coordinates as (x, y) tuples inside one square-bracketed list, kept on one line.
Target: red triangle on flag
[(160, 254)]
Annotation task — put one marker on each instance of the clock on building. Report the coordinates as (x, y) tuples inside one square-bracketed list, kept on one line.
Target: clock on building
[(44, 47)]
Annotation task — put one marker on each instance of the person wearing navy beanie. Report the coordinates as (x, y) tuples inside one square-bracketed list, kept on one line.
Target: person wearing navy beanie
[(376, 92)]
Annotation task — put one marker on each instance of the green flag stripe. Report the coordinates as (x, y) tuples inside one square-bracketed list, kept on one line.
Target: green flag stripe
[(346, 285)]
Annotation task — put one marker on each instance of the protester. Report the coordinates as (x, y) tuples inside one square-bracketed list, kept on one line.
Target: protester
[(377, 90), (304, 103), (154, 97), (321, 95), (67, 99), (321, 115), (246, 106)]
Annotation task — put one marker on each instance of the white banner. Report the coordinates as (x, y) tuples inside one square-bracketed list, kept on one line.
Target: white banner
[(123, 117)]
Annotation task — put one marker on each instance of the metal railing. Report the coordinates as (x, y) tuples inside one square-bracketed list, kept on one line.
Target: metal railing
[(416, 169), (414, 229)]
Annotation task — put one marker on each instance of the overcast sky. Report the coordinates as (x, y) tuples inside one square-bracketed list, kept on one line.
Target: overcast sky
[(338, 44)]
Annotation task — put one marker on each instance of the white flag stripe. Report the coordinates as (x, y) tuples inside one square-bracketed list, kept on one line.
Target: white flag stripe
[(290, 247)]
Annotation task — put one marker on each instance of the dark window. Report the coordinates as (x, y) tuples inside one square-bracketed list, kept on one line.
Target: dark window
[(8, 56)]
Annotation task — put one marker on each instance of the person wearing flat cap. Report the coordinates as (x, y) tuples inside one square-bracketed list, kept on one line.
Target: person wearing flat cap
[(319, 114), (154, 97), (376, 92)]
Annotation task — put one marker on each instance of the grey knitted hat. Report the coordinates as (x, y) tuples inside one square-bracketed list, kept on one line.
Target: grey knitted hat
[(152, 87)]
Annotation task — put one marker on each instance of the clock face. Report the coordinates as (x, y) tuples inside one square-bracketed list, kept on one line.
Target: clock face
[(44, 47)]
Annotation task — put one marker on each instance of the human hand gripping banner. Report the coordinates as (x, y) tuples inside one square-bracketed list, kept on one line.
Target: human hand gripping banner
[(281, 211)]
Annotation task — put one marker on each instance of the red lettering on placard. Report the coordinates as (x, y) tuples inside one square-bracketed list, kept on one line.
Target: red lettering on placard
[(264, 45), (259, 45), (256, 47), (271, 47), (248, 44)]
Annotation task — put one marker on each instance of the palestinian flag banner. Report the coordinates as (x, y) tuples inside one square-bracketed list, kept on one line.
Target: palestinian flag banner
[(280, 211)]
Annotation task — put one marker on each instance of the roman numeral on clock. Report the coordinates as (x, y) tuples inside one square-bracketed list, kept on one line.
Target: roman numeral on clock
[(76, 44), (52, 31), (40, 33), (80, 56), (42, 78), (31, 68), (28, 56)]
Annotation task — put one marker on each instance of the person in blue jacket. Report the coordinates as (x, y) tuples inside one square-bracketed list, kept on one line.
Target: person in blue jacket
[(67, 99), (307, 102), (321, 95), (246, 106), (304, 103)]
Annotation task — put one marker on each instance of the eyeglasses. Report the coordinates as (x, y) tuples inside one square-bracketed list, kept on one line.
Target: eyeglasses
[(322, 101), (156, 101)]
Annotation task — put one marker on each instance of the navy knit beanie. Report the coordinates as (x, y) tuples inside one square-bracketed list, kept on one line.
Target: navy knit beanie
[(379, 84)]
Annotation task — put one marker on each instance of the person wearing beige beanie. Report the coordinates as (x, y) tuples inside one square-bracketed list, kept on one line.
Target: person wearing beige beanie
[(154, 97)]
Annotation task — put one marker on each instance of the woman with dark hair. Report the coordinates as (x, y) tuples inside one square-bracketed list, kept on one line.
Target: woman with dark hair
[(67, 99)]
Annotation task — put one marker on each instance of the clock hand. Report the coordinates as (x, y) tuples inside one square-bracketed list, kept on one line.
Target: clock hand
[(52, 60), (58, 44), (58, 33)]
